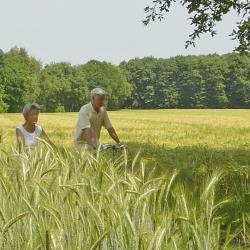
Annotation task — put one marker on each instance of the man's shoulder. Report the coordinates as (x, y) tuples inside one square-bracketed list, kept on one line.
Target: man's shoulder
[(85, 107), (103, 109)]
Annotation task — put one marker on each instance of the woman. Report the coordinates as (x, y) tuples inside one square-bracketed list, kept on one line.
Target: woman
[(28, 133)]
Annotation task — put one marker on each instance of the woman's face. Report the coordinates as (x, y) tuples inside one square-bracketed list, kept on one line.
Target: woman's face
[(32, 116)]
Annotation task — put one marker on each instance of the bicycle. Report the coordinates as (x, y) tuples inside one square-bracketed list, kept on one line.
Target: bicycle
[(114, 147)]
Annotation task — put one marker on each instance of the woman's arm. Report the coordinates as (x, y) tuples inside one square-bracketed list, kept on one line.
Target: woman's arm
[(20, 140), (46, 138)]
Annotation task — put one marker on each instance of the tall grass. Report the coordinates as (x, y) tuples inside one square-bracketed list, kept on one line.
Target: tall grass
[(63, 199)]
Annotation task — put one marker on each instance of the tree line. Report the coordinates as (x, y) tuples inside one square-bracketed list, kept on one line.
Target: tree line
[(206, 81)]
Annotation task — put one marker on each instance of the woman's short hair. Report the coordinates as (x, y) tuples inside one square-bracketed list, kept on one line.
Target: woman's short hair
[(27, 107)]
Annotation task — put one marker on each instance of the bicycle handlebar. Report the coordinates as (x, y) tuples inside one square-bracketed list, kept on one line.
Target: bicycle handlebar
[(112, 146)]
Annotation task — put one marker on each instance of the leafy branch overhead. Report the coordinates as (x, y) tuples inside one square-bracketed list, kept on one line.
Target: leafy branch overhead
[(204, 15)]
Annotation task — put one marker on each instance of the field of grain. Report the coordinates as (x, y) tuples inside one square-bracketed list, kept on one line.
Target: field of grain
[(182, 183), (167, 138)]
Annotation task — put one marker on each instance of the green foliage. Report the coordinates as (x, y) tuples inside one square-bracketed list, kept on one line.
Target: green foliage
[(57, 87), (204, 15), (190, 82), (237, 81), (63, 199), (109, 77), (19, 78), (210, 81), (62, 87), (213, 73), (3, 105)]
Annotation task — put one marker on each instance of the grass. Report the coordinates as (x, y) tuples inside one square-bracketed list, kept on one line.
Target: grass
[(166, 138), (187, 189)]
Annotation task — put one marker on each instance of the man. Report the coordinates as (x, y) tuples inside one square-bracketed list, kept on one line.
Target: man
[(91, 118)]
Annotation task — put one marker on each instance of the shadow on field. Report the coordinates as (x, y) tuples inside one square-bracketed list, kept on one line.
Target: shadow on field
[(194, 157)]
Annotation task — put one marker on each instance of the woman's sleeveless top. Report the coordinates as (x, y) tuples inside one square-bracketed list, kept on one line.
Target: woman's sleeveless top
[(30, 139)]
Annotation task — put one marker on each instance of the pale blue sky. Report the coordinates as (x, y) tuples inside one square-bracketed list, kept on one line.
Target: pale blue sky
[(111, 30)]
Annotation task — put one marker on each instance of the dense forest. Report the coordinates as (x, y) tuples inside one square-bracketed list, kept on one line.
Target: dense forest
[(206, 81)]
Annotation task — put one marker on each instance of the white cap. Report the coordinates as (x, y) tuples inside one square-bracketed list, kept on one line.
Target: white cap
[(27, 107), (98, 91)]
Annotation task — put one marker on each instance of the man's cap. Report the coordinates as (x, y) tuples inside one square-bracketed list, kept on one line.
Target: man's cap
[(98, 91), (27, 107)]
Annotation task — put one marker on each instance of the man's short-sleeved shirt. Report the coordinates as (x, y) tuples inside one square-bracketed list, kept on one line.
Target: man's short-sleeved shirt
[(89, 118)]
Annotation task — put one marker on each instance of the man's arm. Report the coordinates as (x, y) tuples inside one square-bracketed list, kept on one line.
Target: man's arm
[(113, 134), (110, 128), (90, 136)]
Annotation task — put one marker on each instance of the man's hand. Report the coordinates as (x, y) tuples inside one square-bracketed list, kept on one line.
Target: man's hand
[(120, 145), (113, 135)]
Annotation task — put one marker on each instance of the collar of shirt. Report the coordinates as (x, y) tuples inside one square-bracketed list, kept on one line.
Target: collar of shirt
[(93, 110)]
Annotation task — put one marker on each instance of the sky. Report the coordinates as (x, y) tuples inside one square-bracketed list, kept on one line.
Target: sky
[(77, 31)]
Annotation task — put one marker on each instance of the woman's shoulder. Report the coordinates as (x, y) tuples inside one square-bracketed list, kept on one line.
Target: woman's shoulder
[(39, 127), (20, 130), (19, 127)]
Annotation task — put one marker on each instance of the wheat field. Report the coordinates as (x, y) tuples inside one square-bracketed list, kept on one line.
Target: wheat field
[(166, 138), (181, 183)]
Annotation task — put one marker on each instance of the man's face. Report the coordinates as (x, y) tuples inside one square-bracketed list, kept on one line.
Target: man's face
[(98, 101)]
